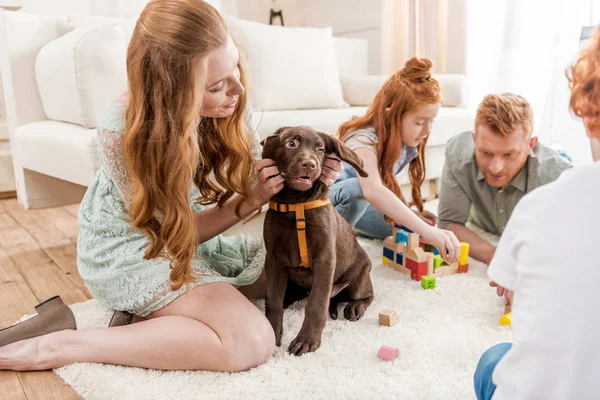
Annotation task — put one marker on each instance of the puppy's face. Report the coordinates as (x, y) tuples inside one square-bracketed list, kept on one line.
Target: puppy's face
[(299, 153)]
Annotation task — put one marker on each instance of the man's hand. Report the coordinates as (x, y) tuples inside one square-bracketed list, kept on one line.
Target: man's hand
[(500, 291), (428, 217), (331, 169)]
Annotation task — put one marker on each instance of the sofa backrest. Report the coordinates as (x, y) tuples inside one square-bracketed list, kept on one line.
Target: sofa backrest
[(24, 35)]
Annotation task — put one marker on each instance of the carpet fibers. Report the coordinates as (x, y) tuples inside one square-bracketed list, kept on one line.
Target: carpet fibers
[(440, 334)]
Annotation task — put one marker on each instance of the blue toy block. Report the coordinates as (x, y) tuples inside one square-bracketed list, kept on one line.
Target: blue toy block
[(406, 229), (399, 258), (401, 237), (387, 253), (435, 251)]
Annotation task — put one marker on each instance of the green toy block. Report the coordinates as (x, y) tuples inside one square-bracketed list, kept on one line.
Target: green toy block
[(437, 261), (428, 282)]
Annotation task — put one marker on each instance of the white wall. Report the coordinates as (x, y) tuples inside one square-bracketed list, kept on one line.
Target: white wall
[(363, 19)]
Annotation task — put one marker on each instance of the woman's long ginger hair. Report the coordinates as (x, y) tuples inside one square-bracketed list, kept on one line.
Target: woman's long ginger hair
[(167, 145), (403, 92), (584, 82)]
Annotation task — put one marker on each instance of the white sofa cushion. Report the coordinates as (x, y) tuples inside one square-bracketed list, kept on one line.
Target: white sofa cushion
[(58, 149), (360, 90), (449, 121), (81, 72), (289, 68)]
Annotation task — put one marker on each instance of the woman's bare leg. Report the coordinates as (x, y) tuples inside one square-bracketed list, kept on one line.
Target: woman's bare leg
[(212, 327)]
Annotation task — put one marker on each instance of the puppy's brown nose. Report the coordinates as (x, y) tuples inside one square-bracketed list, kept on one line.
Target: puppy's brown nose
[(308, 163)]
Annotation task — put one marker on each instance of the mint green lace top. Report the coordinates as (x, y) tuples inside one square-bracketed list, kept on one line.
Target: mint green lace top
[(110, 254)]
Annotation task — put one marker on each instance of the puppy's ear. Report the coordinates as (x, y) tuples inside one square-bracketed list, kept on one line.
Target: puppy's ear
[(334, 145), (277, 133)]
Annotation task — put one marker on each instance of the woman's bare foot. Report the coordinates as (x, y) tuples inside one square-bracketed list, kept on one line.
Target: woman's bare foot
[(38, 353)]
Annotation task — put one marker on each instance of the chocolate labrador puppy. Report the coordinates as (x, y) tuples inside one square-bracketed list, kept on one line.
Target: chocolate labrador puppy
[(338, 268)]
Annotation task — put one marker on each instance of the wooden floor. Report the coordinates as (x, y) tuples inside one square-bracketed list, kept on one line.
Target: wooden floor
[(37, 261)]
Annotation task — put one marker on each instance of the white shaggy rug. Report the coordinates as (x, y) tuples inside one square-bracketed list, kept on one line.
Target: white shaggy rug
[(441, 334)]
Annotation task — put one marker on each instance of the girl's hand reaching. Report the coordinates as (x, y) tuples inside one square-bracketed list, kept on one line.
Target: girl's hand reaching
[(270, 181), (445, 241)]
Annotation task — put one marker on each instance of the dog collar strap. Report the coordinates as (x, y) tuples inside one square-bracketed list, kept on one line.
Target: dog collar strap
[(299, 208)]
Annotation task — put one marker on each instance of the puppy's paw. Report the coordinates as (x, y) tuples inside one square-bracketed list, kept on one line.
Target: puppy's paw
[(333, 310), (278, 335), (304, 344), (355, 310)]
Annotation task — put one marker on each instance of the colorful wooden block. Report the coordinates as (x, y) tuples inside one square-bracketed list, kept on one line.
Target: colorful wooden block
[(401, 237), (436, 251), (428, 282), (417, 255), (384, 260), (437, 261), (388, 353), (388, 318), (506, 320), (400, 258), (417, 269), (463, 268), (464, 253), (388, 253), (430, 268), (389, 242), (413, 241), (402, 227)]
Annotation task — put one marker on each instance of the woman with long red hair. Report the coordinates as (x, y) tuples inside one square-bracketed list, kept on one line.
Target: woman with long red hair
[(389, 137), (148, 247)]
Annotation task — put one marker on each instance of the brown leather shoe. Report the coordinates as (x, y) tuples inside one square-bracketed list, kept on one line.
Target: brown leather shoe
[(120, 318), (53, 316)]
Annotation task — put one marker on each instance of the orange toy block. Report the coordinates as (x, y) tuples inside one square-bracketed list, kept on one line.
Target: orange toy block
[(463, 269), (388, 318)]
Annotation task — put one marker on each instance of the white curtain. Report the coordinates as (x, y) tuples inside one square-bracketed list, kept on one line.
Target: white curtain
[(435, 29), (524, 47)]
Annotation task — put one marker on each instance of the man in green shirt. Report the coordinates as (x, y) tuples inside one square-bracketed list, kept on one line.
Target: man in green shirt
[(488, 171)]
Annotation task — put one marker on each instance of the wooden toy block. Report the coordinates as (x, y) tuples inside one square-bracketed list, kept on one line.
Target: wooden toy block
[(428, 282), (446, 270), (463, 268), (437, 261), (401, 237), (388, 253), (430, 268), (417, 255), (417, 270), (506, 320), (464, 253), (389, 242), (398, 267), (402, 227), (388, 318), (388, 353), (413, 241), (399, 258), (384, 260)]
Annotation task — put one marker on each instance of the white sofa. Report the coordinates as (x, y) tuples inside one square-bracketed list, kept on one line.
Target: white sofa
[(59, 72)]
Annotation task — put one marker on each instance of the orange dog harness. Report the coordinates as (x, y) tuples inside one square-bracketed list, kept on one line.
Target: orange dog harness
[(300, 222)]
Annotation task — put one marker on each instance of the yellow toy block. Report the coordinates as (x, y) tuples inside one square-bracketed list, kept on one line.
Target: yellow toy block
[(464, 253), (506, 320), (384, 260)]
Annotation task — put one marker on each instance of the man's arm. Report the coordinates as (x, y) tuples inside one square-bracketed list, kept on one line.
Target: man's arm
[(453, 212)]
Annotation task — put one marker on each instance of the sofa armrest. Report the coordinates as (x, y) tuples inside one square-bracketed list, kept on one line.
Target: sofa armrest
[(360, 90)]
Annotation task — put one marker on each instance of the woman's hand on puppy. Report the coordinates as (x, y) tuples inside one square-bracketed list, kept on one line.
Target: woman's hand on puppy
[(331, 169), (270, 181)]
